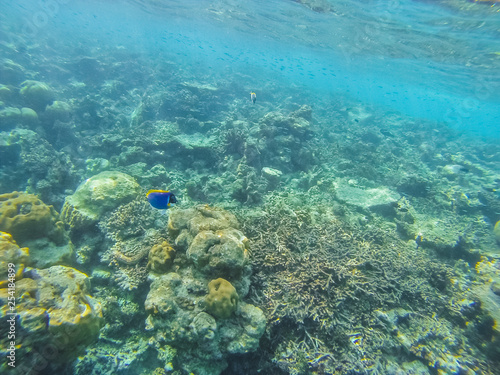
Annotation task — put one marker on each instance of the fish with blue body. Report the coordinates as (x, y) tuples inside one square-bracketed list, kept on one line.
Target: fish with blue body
[(161, 199)]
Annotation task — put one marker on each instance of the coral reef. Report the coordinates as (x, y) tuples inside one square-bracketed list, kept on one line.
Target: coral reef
[(209, 237), (57, 318), (31, 163), (36, 94), (204, 328), (222, 298), (176, 303)]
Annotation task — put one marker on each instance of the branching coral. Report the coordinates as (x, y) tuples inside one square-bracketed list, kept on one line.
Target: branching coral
[(320, 281), (129, 220)]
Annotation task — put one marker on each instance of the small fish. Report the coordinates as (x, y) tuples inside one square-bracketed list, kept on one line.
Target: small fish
[(160, 199), (253, 97)]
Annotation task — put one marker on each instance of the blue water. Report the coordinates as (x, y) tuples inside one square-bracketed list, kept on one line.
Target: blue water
[(423, 60)]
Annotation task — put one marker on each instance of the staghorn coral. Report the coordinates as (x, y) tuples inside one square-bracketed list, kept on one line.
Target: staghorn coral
[(222, 298), (320, 282)]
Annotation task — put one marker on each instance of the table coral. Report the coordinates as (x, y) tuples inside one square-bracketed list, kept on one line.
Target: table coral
[(57, 318), (222, 298)]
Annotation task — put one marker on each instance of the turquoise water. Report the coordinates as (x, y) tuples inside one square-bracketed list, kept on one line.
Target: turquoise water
[(423, 60), (347, 222)]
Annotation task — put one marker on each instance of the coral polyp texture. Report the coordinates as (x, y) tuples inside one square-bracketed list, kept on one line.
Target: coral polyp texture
[(161, 257), (56, 318), (11, 253), (26, 217), (222, 298)]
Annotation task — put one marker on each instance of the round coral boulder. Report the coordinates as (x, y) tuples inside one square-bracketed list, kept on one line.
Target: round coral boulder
[(222, 298), (97, 195)]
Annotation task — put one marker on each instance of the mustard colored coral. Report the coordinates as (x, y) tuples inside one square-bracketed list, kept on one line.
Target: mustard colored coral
[(55, 310), (26, 217), (10, 253), (161, 257), (222, 298)]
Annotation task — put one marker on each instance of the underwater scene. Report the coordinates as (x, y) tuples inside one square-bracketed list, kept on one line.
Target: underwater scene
[(225, 187)]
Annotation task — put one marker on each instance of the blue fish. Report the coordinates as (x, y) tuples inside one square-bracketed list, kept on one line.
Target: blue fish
[(161, 199)]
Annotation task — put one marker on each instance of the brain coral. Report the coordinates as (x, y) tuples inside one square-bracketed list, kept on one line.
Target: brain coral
[(26, 217), (99, 194), (57, 317), (222, 298)]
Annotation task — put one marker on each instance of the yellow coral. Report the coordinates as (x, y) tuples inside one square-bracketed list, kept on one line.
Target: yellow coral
[(26, 217), (222, 298), (11, 253)]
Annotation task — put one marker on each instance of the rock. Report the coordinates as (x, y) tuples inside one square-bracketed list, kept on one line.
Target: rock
[(273, 177), (379, 200)]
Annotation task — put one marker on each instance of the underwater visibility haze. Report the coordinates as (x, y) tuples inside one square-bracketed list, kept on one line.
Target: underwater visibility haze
[(249, 187)]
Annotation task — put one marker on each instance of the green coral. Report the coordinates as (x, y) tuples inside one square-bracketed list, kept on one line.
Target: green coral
[(222, 299)]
